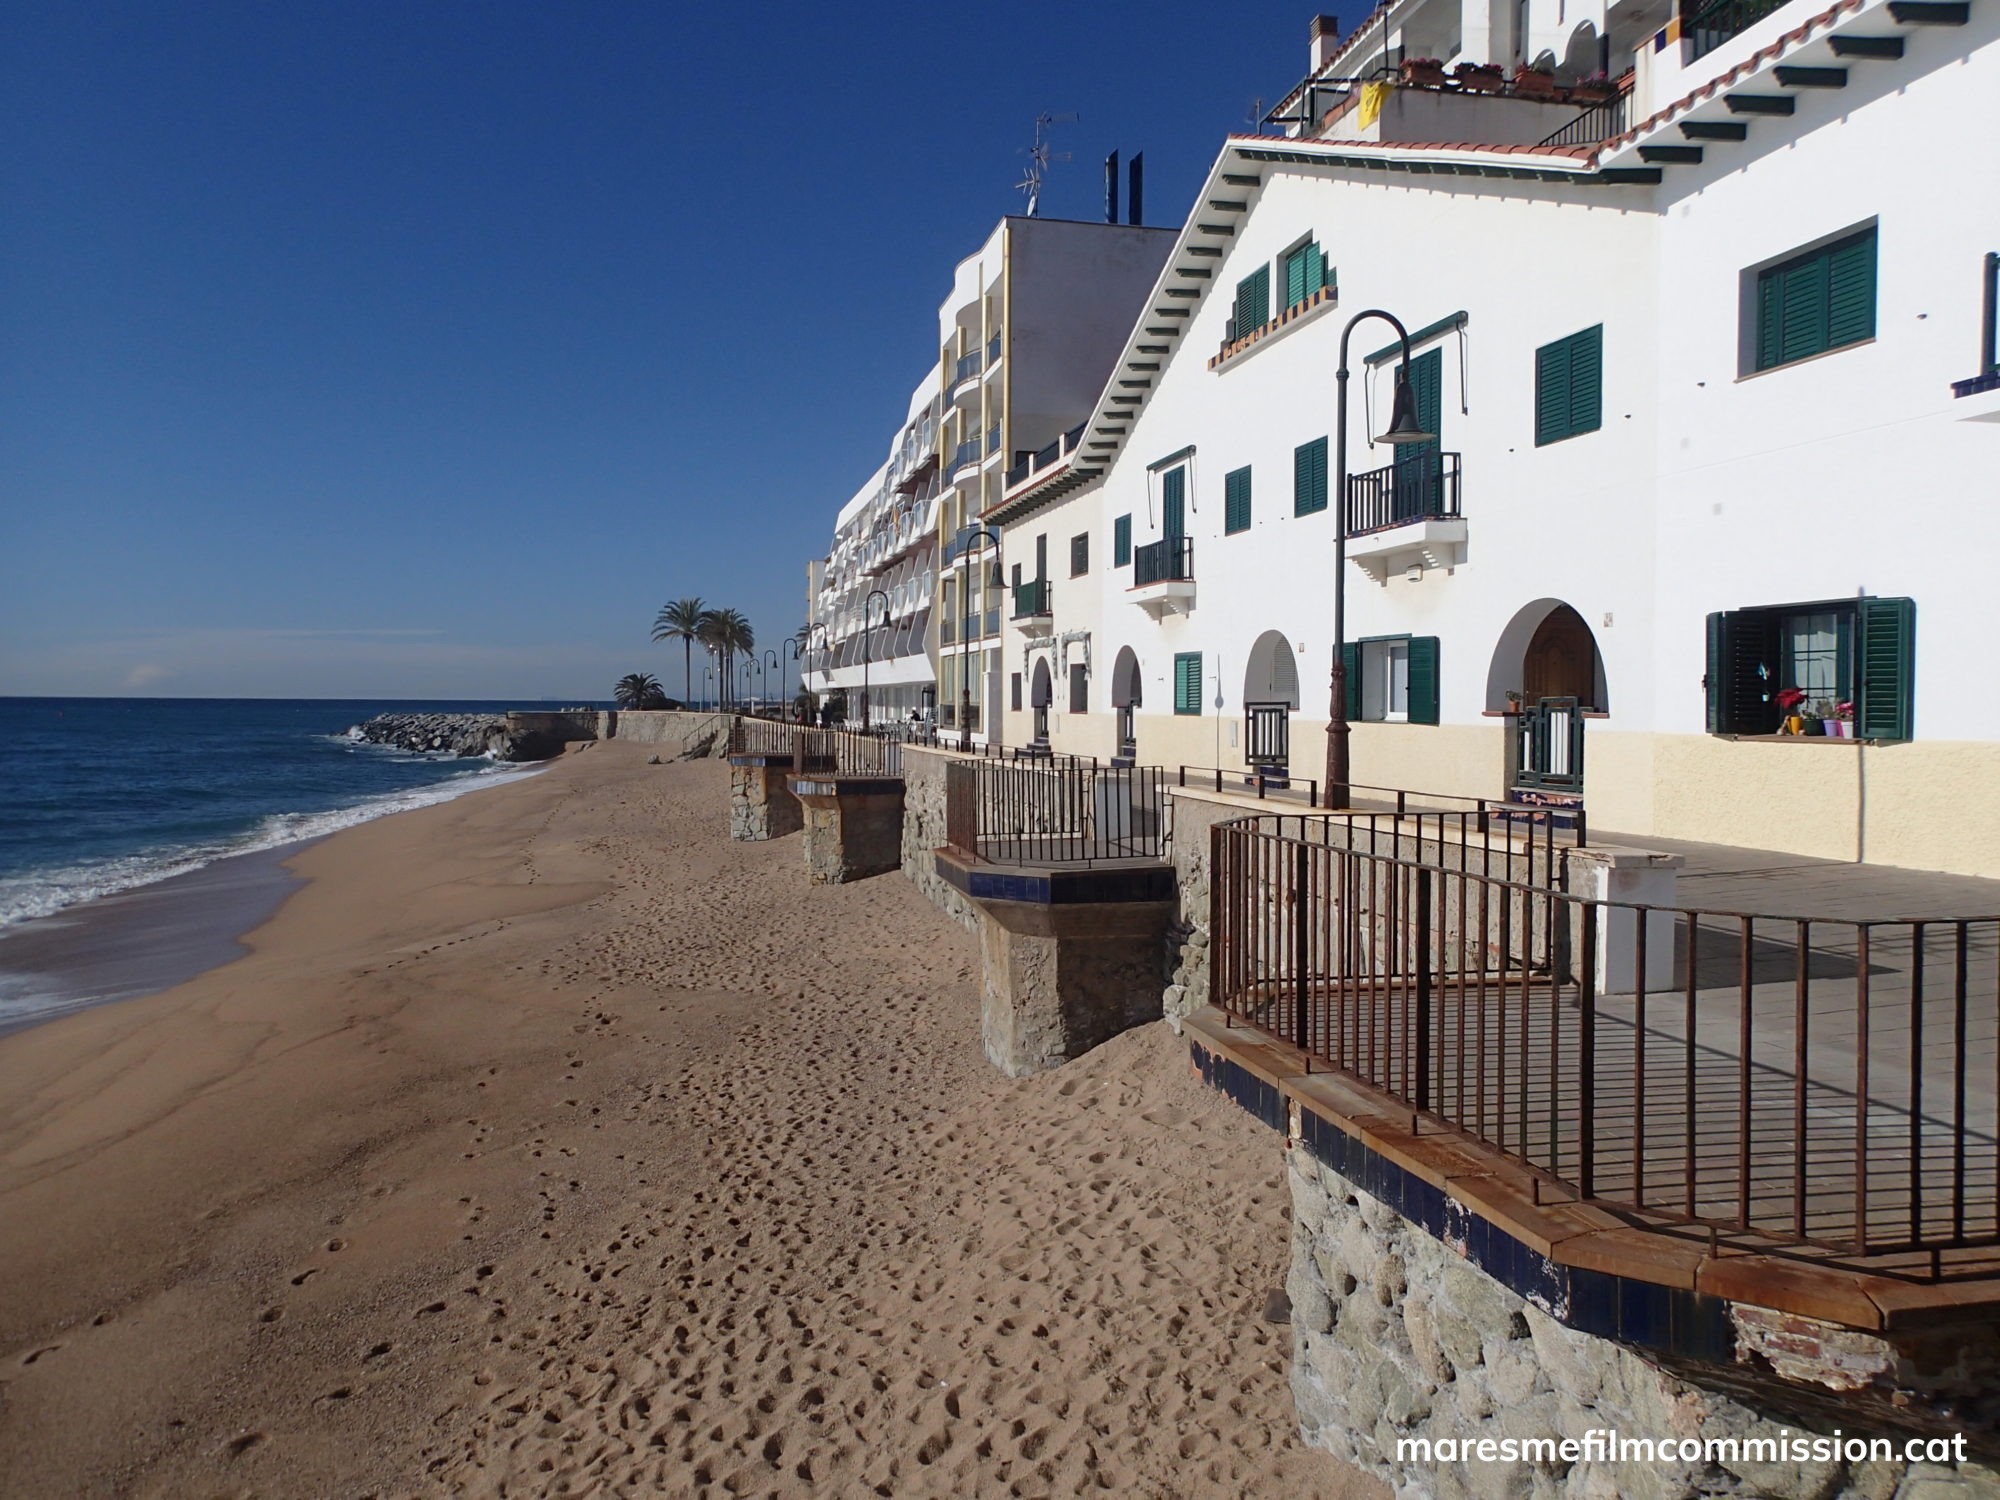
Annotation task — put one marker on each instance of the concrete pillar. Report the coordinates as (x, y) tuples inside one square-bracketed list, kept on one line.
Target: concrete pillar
[(1060, 980), (854, 826), (1642, 878), (761, 804)]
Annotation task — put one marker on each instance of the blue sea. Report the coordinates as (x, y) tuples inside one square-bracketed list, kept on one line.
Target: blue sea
[(102, 795)]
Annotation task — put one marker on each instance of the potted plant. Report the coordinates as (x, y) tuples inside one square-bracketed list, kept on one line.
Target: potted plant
[(1513, 700), (1533, 83), (1481, 78), (1423, 72), (1596, 89), (1841, 724), (1790, 719)]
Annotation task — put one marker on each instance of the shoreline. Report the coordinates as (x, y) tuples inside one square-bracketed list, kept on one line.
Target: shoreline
[(553, 1140)]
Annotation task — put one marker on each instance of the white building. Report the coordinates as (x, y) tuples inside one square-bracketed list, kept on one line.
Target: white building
[(1717, 416), (869, 599)]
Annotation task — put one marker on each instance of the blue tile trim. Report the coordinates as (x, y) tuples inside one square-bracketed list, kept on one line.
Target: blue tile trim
[(1671, 1319)]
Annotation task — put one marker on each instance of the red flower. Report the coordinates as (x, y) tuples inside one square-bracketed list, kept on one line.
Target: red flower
[(1790, 698)]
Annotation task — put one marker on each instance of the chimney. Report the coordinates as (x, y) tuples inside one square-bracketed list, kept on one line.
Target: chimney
[(1325, 39), (1135, 191), (1111, 188)]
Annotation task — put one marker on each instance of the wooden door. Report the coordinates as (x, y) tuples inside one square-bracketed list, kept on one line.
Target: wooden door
[(1561, 661)]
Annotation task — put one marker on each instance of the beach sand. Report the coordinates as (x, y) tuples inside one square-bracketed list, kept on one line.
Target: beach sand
[(547, 1142)]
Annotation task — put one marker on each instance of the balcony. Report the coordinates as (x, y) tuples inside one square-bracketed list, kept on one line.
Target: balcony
[(993, 351), (1163, 576), (1404, 517), (947, 631), (964, 389), (1032, 615), (1706, 27), (965, 462)]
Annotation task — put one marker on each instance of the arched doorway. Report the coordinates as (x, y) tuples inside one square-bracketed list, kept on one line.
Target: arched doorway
[(1560, 660), (1039, 694), (1126, 696), (1270, 697), (1547, 675)]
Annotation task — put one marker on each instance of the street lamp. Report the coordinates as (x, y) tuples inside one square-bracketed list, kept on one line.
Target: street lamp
[(792, 654), (775, 662), (866, 634), (1404, 427), (750, 666), (979, 535), (707, 689)]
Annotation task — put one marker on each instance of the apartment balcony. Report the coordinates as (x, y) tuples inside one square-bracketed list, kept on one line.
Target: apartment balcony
[(1032, 614), (965, 375), (1163, 577), (1404, 517), (993, 354), (965, 461), (947, 631)]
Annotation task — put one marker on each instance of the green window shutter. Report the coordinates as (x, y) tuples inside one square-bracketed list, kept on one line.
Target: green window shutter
[(1350, 659), (1253, 301), (1173, 503), (1586, 381), (1187, 682), (1315, 270), (1309, 477), (1295, 276), (1079, 554), (1883, 708), (1851, 291), (1551, 393), (1236, 500), (1770, 321), (1423, 679), (1739, 681), (1121, 542), (1427, 385), (1715, 674), (1805, 296)]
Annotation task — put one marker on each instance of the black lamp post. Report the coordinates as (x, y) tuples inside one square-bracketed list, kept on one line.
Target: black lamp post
[(791, 655), (979, 536), (1403, 428), (707, 690), (867, 631), (774, 662)]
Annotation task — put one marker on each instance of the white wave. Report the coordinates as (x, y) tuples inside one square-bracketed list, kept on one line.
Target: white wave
[(40, 893)]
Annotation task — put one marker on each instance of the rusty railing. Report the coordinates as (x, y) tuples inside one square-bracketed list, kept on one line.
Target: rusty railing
[(1055, 810), (1801, 1080)]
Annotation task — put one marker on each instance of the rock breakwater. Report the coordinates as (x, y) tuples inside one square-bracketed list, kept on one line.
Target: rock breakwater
[(439, 734)]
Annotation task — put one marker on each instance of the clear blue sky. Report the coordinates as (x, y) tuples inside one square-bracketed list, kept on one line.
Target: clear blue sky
[(424, 349)]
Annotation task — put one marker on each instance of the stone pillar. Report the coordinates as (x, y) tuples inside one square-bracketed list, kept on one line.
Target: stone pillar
[(1643, 879), (761, 804), (1060, 980), (854, 826)]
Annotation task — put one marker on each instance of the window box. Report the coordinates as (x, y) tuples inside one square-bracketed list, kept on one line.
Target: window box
[(1423, 72), (1480, 78)]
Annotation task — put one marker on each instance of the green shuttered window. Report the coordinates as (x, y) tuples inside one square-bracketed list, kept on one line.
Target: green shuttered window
[(1824, 299), (1392, 679), (1236, 500), (1253, 301), (1121, 542), (1079, 553), (1569, 386), (1858, 651), (1309, 477), (1187, 682), (1305, 273)]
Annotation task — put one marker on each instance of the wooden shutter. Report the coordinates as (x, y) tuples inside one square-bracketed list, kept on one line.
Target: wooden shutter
[(1586, 380), (1427, 385), (1236, 500), (1423, 679), (1552, 393), (1315, 270), (1079, 553), (1187, 682), (1770, 321), (1715, 673), (1173, 504), (1079, 689), (1851, 291), (1253, 301), (1295, 276), (1738, 682), (1121, 542), (1884, 697), (1350, 658), (1309, 477), (1804, 289)]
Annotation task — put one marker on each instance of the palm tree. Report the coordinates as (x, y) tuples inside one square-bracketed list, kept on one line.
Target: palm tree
[(639, 690), (683, 621), (727, 632)]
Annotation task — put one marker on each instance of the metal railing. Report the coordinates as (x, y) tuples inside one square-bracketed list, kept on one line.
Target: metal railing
[(1549, 746), (1797, 1080), (1599, 122), (968, 365), (1420, 488), (1706, 27), (811, 748), (1031, 598), (1055, 810), (1168, 561), (963, 457)]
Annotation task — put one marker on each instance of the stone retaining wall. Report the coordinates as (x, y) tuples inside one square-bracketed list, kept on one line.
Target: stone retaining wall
[(923, 831), (679, 732)]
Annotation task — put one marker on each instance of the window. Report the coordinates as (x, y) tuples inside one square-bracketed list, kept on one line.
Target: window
[(1187, 682), (1821, 300), (1079, 689), (1392, 679), (1014, 692), (1858, 652), (1305, 273), (1121, 542), (1079, 554), (1569, 387), (1253, 301), (1309, 477), (1236, 500)]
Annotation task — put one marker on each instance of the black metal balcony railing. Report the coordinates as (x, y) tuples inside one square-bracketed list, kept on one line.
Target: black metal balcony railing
[(1055, 810), (1031, 598), (1707, 26), (1599, 122), (1042, 458), (969, 365), (1168, 561), (1423, 488)]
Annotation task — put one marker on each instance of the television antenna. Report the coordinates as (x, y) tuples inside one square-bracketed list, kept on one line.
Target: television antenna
[(1039, 159)]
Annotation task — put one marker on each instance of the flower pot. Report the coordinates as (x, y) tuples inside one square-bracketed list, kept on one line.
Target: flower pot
[(1528, 84), (1424, 75), (1592, 93), (1481, 80), (1840, 729), (1794, 724)]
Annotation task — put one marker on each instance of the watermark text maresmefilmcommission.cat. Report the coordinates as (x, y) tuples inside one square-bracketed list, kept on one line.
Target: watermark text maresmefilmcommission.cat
[(1608, 1445)]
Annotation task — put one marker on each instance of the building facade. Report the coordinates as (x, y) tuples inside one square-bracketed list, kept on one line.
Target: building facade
[(1650, 559)]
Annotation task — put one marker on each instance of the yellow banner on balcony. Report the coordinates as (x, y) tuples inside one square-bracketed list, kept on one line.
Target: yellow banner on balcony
[(1372, 95)]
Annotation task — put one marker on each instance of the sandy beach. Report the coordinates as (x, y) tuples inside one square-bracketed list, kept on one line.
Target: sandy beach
[(546, 1142)]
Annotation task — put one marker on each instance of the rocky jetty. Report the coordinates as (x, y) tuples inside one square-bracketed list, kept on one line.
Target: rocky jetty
[(438, 734)]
